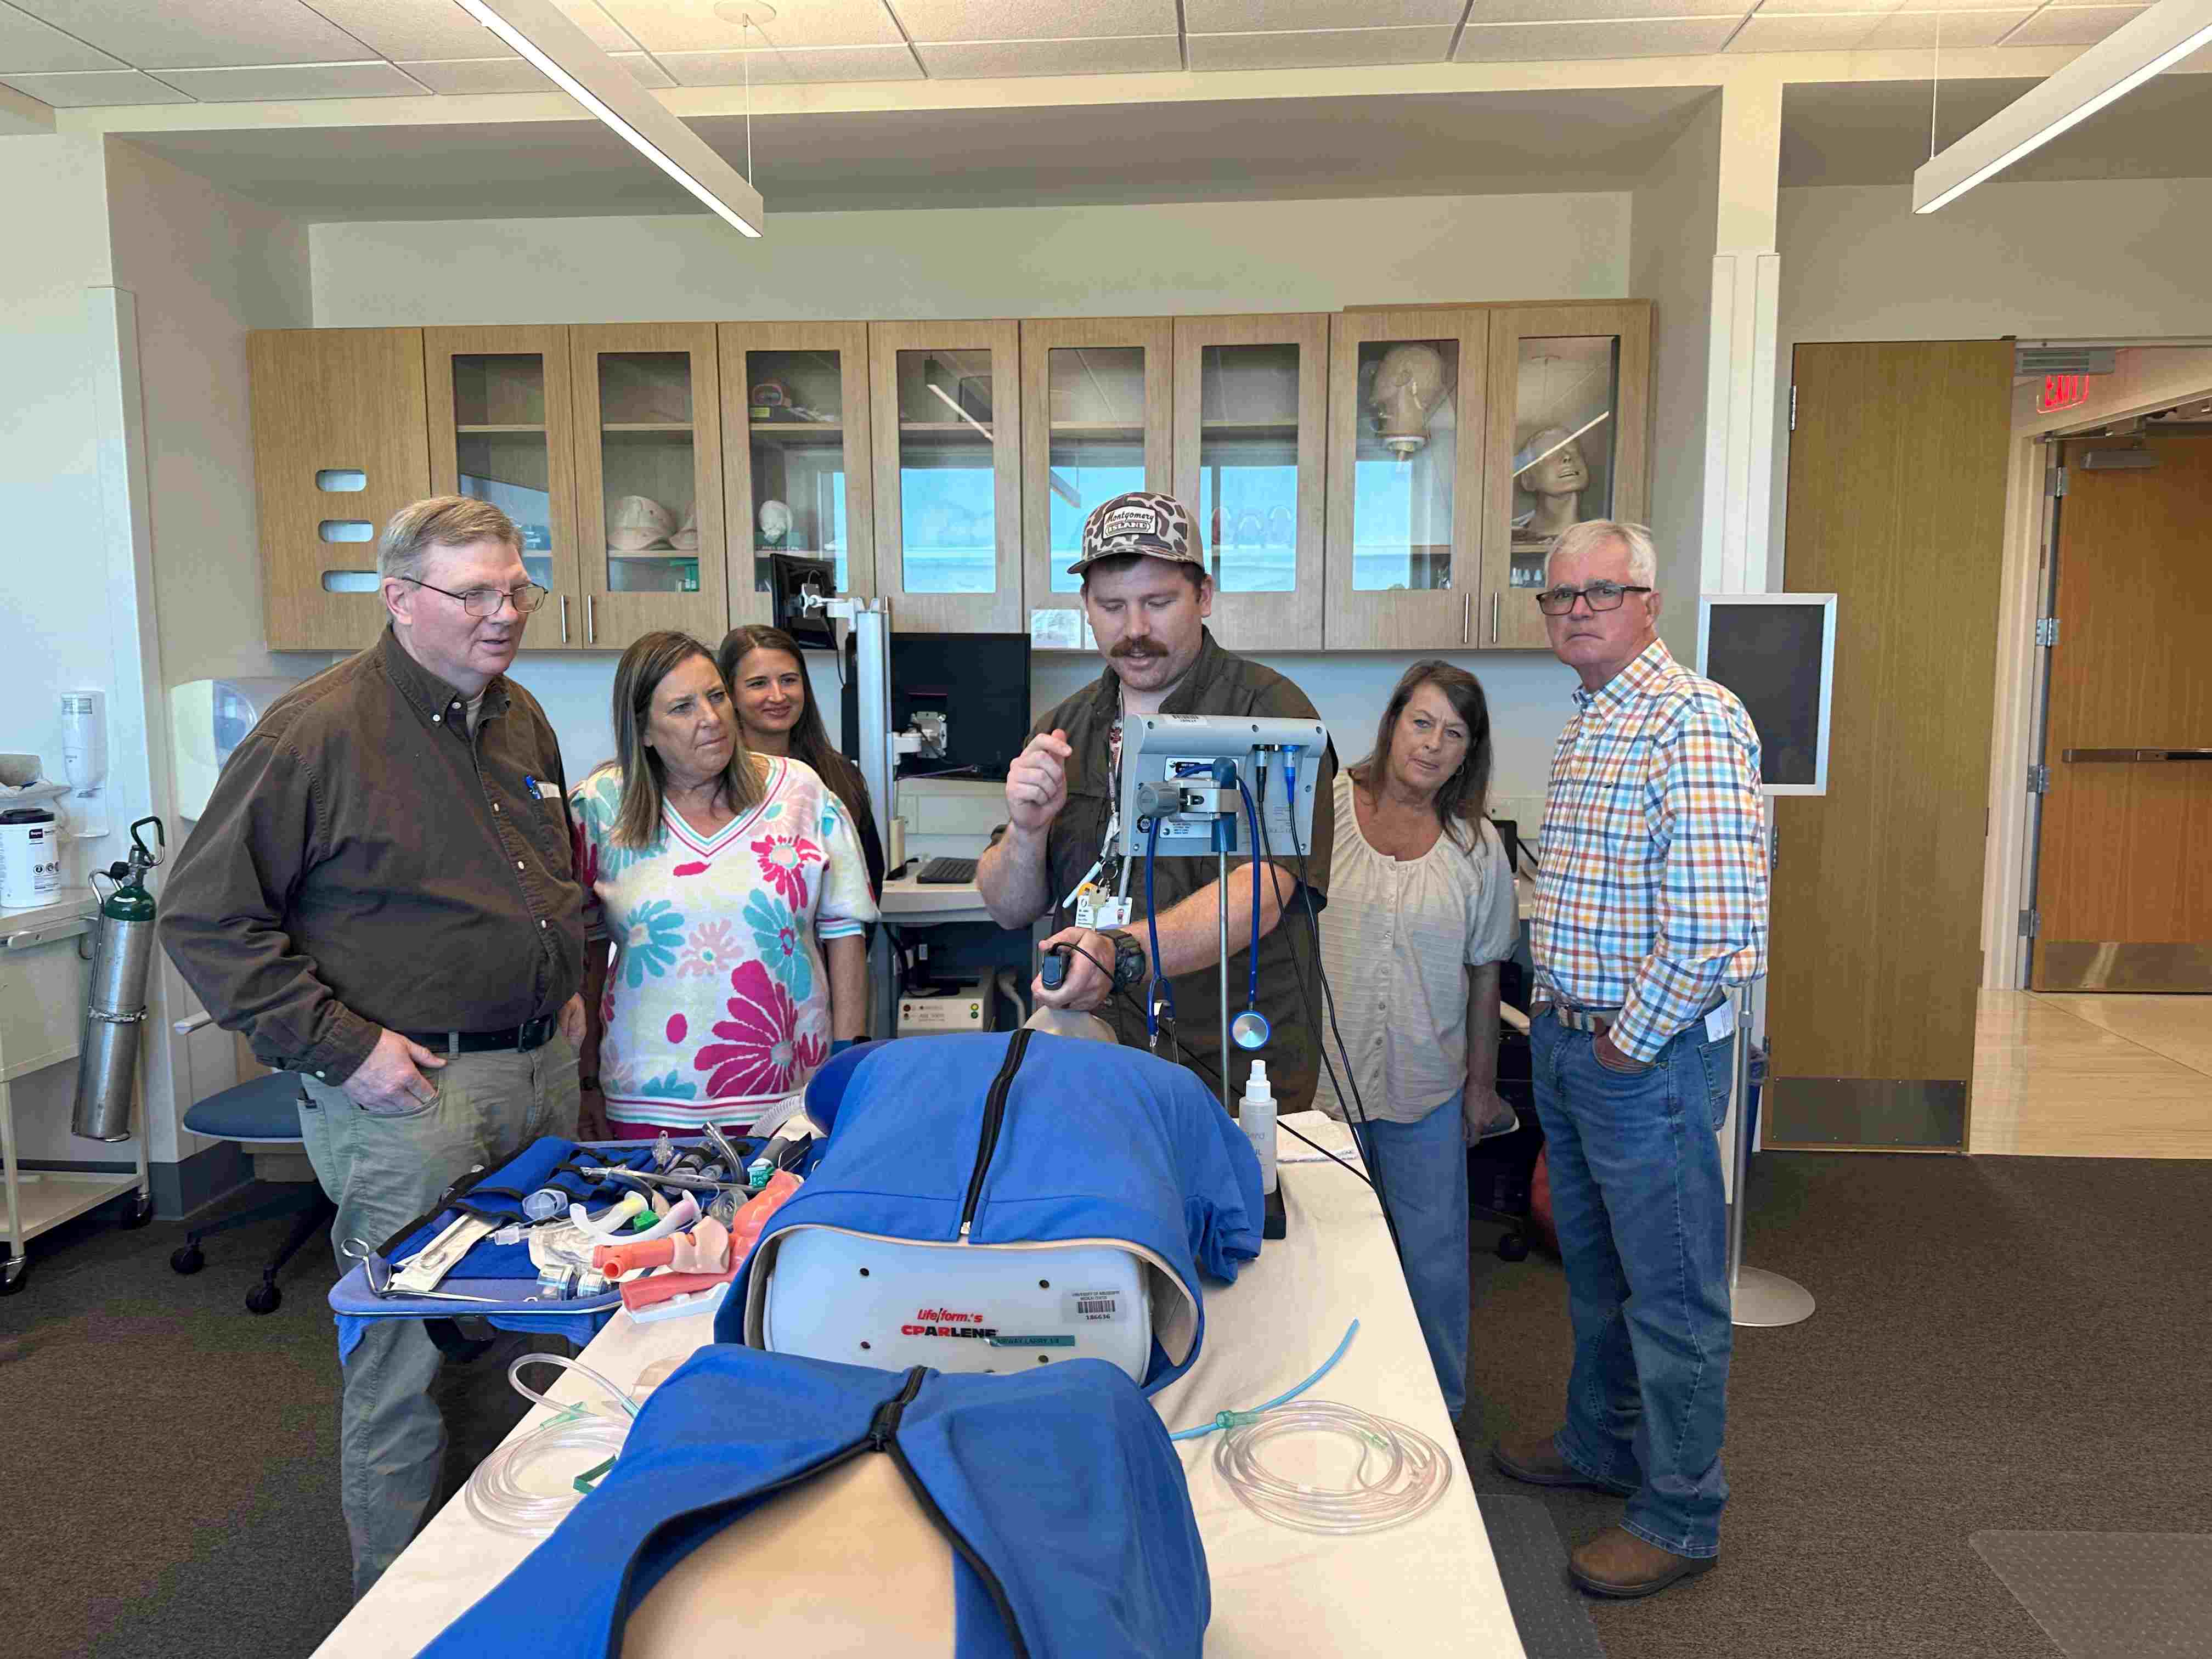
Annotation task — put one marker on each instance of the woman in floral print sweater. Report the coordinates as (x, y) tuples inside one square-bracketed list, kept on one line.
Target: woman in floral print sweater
[(732, 891)]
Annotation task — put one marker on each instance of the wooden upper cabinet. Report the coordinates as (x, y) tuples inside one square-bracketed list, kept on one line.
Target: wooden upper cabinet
[(1096, 423), (502, 430), (945, 413), (1250, 434), (339, 446), (649, 480), (798, 468), (1569, 412), (1406, 403)]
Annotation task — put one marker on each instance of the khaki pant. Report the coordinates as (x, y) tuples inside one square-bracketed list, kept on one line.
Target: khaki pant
[(382, 1171)]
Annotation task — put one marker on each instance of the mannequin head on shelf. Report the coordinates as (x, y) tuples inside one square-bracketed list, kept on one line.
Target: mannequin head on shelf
[(1555, 478), (1411, 383)]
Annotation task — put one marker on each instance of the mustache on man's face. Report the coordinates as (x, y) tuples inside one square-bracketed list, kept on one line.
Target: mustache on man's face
[(1136, 648)]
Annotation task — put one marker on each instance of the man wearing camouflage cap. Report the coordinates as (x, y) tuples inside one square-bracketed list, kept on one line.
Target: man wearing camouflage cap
[(1147, 592)]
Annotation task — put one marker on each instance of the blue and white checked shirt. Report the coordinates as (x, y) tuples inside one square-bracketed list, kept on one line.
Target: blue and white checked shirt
[(1653, 890)]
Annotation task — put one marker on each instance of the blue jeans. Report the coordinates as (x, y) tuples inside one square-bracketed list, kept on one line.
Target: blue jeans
[(1637, 1197), (1423, 1169)]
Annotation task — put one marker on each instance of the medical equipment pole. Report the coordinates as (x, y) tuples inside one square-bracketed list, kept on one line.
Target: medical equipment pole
[(1221, 917), (872, 626), (1758, 1298)]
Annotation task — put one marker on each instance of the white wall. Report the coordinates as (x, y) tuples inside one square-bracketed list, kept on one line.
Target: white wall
[(1674, 221), (1170, 259), (2111, 260)]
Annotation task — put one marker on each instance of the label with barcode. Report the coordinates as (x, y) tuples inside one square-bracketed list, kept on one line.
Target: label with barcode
[(1087, 1307)]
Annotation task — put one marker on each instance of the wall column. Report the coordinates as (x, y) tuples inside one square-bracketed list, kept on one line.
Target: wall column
[(1740, 365)]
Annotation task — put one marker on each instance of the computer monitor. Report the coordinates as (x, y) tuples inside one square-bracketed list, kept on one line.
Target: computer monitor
[(1777, 652), (792, 580), (977, 684)]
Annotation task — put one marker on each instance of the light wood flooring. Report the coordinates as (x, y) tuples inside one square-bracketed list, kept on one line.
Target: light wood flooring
[(2090, 1075)]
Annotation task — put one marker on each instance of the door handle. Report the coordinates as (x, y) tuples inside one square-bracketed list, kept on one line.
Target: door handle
[(1494, 599), (590, 619), (1465, 615), (2079, 755), (564, 619)]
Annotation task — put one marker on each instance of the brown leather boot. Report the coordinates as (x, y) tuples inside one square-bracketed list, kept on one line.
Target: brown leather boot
[(1620, 1564), (1534, 1458)]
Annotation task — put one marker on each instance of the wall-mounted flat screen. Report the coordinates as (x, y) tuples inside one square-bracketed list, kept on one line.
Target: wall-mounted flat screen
[(1778, 652)]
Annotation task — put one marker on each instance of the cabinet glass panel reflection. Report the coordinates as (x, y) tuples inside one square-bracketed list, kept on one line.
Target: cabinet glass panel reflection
[(501, 448), (648, 472), (948, 454), (795, 427), (1248, 466), (1566, 401), (1097, 447), (1405, 465)]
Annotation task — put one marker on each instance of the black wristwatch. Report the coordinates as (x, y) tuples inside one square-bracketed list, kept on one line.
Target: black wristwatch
[(1130, 965)]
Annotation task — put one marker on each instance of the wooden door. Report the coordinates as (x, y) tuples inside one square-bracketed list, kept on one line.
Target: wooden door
[(1095, 422), (502, 430), (2123, 863), (340, 445), (803, 443), (649, 480), (1251, 438), (1897, 494), (1406, 401), (946, 409), (1570, 386)]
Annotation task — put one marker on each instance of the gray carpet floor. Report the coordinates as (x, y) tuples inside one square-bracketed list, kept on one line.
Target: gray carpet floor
[(2004, 1344)]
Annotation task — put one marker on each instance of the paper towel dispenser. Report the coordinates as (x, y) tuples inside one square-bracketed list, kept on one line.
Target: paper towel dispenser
[(208, 719)]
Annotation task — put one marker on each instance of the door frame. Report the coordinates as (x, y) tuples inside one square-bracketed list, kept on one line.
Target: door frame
[(2144, 379)]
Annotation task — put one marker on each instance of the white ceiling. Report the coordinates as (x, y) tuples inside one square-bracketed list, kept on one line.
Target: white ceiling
[(80, 53)]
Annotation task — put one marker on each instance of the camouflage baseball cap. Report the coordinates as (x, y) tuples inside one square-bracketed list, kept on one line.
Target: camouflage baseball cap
[(1140, 522)]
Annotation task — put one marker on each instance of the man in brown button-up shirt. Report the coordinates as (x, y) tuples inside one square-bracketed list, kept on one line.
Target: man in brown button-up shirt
[(380, 894)]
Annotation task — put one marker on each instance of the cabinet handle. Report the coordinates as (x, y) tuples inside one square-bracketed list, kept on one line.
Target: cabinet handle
[(590, 619), (1494, 597), (564, 619), (1466, 610)]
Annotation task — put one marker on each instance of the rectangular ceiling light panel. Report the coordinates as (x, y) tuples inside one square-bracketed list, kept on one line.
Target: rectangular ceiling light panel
[(566, 57), (2111, 68)]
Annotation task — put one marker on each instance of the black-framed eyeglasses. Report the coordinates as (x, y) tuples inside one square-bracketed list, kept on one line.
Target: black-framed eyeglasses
[(1600, 596), (487, 601)]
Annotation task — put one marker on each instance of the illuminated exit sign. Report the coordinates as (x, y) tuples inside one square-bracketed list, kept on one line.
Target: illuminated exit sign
[(2062, 391)]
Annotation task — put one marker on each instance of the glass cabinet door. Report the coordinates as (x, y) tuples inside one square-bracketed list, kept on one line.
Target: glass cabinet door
[(502, 430), (1095, 410), (1568, 396), (798, 478), (1249, 438), (945, 411), (1407, 400), (650, 465)]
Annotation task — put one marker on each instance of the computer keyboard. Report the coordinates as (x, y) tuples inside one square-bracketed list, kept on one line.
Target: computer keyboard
[(946, 873)]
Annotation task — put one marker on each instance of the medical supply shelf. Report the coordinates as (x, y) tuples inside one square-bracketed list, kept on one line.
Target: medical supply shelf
[(45, 965)]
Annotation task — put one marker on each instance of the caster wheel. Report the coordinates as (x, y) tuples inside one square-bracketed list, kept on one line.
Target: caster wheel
[(1513, 1248), (14, 1275), (140, 1213), (187, 1259), (264, 1299)]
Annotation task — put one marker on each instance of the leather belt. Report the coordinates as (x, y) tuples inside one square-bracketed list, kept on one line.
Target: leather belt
[(536, 1034), (1593, 1020)]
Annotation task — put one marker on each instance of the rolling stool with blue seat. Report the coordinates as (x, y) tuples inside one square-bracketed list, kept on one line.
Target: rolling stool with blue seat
[(264, 1112)]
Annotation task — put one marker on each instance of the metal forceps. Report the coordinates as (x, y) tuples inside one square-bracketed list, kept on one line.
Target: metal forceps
[(377, 1272)]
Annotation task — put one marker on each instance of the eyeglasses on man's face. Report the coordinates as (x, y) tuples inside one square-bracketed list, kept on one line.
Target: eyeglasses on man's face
[(1599, 596), (487, 601)]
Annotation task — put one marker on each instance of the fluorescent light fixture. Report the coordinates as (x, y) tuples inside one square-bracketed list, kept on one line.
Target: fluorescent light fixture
[(568, 57), (2139, 49)]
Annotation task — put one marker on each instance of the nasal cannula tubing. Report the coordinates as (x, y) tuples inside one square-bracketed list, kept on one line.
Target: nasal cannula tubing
[(497, 1493)]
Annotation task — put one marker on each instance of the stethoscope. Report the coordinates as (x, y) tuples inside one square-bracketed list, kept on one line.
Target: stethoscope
[(1250, 1030)]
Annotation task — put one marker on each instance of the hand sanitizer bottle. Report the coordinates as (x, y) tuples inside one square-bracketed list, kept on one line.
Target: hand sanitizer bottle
[(1257, 1113)]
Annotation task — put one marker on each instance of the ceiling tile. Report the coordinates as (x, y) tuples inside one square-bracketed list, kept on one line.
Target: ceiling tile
[(1295, 17), (1584, 11), (1838, 31), (643, 69), (1912, 30), (1320, 48), (985, 60), (699, 25), (1501, 43), (101, 87), (1823, 8), (2071, 26), (279, 83), (414, 31), (456, 78), (35, 48), (1032, 20), (185, 34), (727, 68)]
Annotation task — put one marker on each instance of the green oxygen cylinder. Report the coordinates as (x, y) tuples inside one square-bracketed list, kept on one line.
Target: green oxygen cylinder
[(115, 1005)]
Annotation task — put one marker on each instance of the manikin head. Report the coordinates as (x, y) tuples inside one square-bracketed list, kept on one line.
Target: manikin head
[(1560, 468), (1411, 383)]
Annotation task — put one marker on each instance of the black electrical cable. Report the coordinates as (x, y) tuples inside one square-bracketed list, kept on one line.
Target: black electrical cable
[(1199, 1061)]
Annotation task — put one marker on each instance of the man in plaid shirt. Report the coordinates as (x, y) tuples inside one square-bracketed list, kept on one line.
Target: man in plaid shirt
[(1652, 902)]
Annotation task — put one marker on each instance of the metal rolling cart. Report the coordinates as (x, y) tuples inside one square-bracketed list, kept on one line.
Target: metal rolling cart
[(45, 966)]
